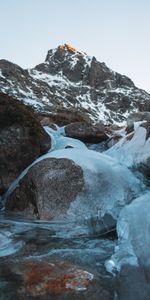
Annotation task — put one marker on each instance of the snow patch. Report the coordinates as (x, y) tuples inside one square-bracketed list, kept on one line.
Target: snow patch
[(1, 75)]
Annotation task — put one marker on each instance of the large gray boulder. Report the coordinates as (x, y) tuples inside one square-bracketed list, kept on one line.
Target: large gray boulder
[(47, 190)]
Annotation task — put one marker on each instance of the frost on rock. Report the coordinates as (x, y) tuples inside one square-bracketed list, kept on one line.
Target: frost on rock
[(108, 185), (133, 230)]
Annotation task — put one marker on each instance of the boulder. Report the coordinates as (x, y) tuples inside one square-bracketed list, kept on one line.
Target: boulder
[(63, 116), (44, 279), (55, 279), (75, 185), (22, 139), (47, 190), (87, 133)]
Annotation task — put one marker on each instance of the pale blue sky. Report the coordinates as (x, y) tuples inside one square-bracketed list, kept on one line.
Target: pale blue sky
[(115, 31)]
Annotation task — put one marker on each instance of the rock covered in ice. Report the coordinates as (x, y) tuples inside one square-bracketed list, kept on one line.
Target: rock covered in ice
[(108, 186)]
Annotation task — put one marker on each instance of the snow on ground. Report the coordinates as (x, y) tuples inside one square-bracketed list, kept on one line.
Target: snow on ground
[(59, 80), (73, 61)]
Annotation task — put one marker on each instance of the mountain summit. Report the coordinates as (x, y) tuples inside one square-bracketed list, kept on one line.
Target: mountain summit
[(72, 81)]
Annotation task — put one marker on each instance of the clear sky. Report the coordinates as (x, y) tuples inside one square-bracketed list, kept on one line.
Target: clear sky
[(114, 31)]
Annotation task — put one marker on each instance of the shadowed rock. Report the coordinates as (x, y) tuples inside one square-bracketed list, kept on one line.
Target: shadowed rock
[(22, 139), (86, 132), (47, 190)]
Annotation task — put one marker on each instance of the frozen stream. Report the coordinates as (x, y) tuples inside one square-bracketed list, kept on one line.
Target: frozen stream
[(26, 247), (71, 260)]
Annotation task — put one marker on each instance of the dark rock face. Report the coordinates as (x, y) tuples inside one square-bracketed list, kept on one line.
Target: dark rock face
[(47, 189), (86, 133), (22, 139), (70, 85)]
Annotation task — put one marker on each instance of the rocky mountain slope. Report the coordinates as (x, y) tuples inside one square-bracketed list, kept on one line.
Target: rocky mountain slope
[(71, 82)]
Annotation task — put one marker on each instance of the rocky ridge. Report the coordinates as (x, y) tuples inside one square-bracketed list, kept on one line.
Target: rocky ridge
[(70, 82)]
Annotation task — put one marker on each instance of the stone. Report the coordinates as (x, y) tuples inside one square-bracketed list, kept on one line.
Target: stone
[(87, 133), (47, 190), (43, 279), (63, 117), (22, 139)]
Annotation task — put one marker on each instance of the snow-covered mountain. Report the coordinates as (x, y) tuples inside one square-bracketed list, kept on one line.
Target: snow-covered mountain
[(71, 81)]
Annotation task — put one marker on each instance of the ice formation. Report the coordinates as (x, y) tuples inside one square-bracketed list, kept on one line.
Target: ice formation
[(133, 229), (132, 151), (108, 185)]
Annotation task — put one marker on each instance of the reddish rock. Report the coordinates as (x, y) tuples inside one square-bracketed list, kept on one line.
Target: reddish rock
[(47, 190), (22, 139), (87, 133), (43, 279)]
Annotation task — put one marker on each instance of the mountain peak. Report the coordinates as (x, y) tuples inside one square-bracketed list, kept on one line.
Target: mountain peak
[(68, 47), (65, 52), (71, 80)]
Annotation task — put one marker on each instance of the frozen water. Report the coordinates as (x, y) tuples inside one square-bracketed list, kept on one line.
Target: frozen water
[(133, 229), (7, 245), (108, 185), (132, 151), (59, 141)]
